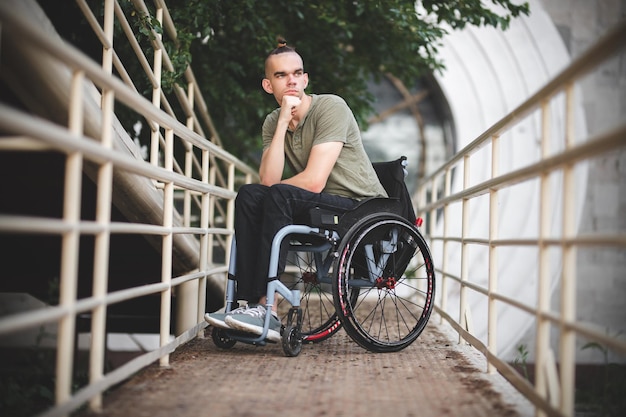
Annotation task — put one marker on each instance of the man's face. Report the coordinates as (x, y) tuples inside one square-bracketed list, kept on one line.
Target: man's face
[(285, 76)]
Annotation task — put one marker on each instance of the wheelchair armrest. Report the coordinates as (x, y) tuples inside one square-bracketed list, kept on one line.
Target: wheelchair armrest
[(341, 222), (367, 207), (323, 218)]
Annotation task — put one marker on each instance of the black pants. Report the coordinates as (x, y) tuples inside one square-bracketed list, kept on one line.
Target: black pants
[(260, 212)]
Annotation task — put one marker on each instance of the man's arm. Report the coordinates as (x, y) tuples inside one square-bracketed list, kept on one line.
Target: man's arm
[(321, 162), (273, 158)]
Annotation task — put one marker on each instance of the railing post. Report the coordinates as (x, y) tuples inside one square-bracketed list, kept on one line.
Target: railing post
[(156, 96), (230, 211), (494, 219), (568, 281), (187, 292), (543, 285), (166, 261), (188, 164), (446, 231), (205, 216), (70, 250), (464, 248), (212, 205), (103, 218)]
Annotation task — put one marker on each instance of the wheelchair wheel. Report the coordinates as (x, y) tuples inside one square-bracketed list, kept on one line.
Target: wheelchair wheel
[(385, 259), (291, 341), (319, 320), (221, 339)]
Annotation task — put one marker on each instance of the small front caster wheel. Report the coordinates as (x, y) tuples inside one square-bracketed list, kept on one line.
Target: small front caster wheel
[(221, 339), (292, 341)]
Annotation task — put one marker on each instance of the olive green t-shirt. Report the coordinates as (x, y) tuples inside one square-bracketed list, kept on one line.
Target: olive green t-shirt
[(329, 119)]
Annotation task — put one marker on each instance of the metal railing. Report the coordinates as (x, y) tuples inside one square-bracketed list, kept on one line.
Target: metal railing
[(87, 133), (457, 238), (205, 178)]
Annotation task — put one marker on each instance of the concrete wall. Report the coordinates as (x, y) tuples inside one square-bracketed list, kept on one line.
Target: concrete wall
[(601, 272)]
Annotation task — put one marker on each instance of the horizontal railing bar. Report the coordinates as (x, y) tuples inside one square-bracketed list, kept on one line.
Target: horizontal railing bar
[(500, 297), (583, 329), (596, 335), (71, 56), (121, 373), (19, 122), (23, 143), (580, 240), (602, 143), (38, 225), (198, 274), (514, 302), (25, 320), (50, 314), (201, 231), (522, 384), (608, 45), (443, 274), (471, 285), (495, 242)]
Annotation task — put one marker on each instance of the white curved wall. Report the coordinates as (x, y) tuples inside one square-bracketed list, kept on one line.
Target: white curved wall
[(489, 73)]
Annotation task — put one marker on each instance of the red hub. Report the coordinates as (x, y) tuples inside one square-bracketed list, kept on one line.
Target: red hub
[(388, 283), (309, 277)]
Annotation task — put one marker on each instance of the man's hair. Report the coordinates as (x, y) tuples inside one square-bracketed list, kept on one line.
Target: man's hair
[(281, 48)]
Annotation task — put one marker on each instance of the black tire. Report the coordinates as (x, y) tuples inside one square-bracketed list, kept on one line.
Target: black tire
[(390, 312), (221, 340), (292, 341)]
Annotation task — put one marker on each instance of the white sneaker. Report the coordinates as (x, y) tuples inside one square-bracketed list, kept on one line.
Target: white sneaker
[(252, 321), (217, 319)]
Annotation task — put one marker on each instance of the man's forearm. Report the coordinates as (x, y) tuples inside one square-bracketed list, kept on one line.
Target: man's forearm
[(273, 159)]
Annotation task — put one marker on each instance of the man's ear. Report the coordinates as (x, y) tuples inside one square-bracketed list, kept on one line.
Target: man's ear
[(267, 86)]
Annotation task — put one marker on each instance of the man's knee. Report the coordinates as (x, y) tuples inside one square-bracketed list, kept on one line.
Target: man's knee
[(251, 189), (284, 192), (251, 194)]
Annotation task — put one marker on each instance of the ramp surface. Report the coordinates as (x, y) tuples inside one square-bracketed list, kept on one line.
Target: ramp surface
[(435, 376)]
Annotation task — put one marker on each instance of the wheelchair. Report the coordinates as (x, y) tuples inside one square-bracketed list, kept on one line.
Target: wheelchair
[(368, 271)]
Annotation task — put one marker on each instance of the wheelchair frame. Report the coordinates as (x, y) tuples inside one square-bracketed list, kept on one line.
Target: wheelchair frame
[(404, 241)]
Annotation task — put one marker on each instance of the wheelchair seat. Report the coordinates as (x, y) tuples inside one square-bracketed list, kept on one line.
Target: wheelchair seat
[(391, 175)]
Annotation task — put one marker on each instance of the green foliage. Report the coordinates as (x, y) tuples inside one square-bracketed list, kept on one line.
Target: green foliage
[(459, 13), (27, 374), (29, 388), (521, 360), (343, 44), (605, 396)]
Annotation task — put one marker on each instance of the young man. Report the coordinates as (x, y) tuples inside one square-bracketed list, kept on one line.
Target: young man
[(317, 135)]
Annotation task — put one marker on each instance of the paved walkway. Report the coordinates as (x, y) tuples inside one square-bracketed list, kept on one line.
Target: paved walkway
[(433, 377)]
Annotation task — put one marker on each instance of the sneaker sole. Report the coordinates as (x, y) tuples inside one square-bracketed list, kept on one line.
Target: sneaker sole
[(216, 323), (272, 335)]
